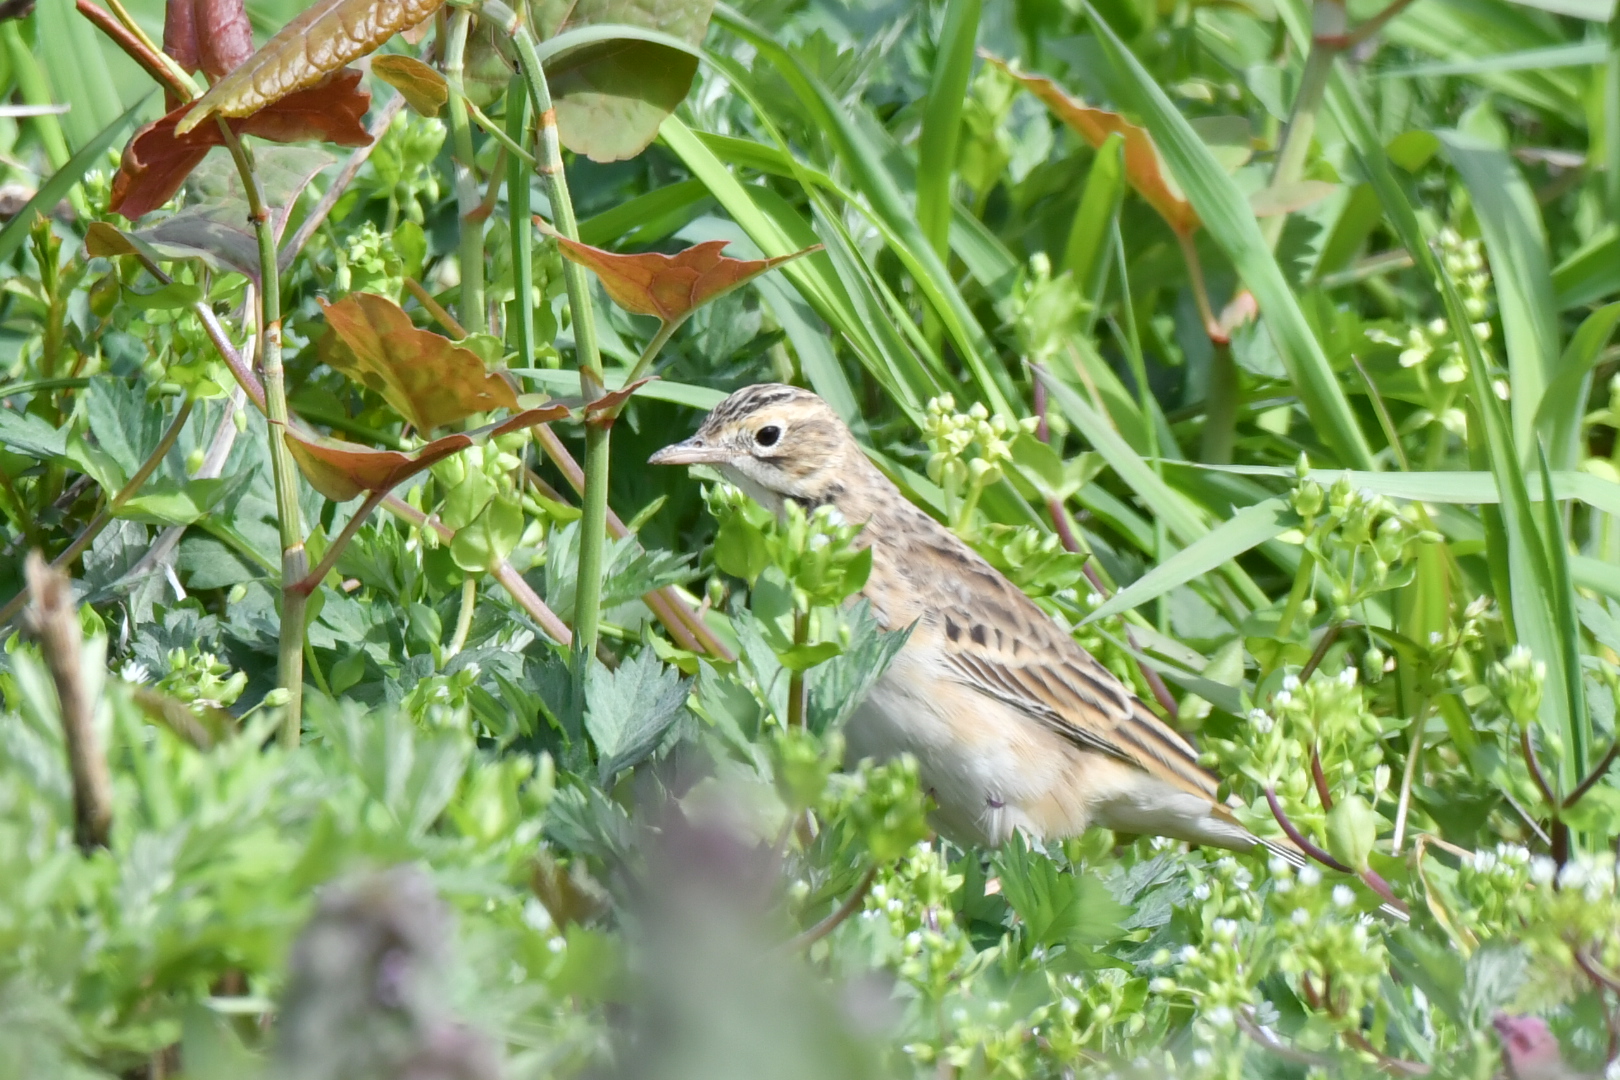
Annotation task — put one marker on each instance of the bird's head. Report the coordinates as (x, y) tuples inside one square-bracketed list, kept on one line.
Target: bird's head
[(775, 442)]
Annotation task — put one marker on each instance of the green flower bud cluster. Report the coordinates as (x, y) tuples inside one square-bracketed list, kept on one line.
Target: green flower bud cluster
[(1363, 543), (968, 453), (912, 898), (483, 502), (370, 264), (815, 551), (402, 163), (1509, 894), (886, 806), (1434, 345), (1518, 681), (1324, 940), (1046, 310), (201, 679)]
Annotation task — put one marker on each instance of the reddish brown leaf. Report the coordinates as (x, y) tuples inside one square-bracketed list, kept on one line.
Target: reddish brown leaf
[(671, 286), (427, 378), (213, 36), (319, 41), (158, 159), (341, 470), (1144, 168), (611, 402), (422, 88)]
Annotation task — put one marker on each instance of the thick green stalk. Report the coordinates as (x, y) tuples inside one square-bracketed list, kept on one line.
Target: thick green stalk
[(294, 562), (593, 510), (1327, 32), (521, 317), (471, 307)]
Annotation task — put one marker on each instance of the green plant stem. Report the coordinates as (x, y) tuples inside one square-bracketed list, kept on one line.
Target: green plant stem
[(1296, 595), (593, 510), (1328, 20), (104, 518), (1409, 775), (851, 904), (471, 306), (464, 616), (334, 550), (520, 319), (650, 353), (294, 562), (796, 702)]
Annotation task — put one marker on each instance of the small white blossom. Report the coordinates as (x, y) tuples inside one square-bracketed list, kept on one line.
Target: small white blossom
[(1542, 870), (1343, 896), (1310, 876), (1300, 917)]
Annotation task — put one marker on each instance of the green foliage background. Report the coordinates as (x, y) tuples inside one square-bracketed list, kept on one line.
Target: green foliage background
[(1363, 543)]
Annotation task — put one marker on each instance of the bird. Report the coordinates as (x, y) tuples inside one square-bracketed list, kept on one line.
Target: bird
[(1014, 726)]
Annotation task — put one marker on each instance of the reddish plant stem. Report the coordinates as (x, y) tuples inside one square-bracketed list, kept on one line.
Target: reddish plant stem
[(312, 582), (1300, 840), (1534, 765), (136, 50), (850, 906), (1320, 780), (1597, 774), (1329, 636)]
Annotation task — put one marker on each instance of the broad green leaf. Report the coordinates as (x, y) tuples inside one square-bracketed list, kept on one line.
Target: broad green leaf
[(1227, 218), (27, 434), (1057, 908), (628, 711), (167, 502), (617, 68)]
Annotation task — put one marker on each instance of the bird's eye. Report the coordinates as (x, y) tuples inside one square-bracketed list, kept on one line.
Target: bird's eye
[(767, 435)]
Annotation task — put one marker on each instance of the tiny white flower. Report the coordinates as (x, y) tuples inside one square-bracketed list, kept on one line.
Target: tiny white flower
[(1310, 876), (1202, 1058), (1290, 683), (1279, 866), (1300, 917), (1201, 891), (1542, 870), (1220, 1016), (1343, 896), (1188, 954), (1162, 985)]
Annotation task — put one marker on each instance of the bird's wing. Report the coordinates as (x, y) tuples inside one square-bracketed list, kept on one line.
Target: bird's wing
[(1020, 657)]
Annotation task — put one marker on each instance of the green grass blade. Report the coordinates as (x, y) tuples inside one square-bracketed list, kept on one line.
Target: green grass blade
[(61, 182), (1575, 54), (1566, 394), (1516, 240), (1562, 598), (1245, 530), (1229, 220), (628, 216), (942, 122), (1086, 254), (864, 162), (1591, 272)]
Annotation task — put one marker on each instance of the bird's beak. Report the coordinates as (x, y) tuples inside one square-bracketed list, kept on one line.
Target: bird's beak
[(690, 452)]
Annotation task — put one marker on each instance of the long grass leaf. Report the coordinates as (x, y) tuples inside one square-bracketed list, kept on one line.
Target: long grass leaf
[(1562, 599), (1244, 531), (1230, 221), (1516, 241), (1567, 391), (61, 182), (942, 121)]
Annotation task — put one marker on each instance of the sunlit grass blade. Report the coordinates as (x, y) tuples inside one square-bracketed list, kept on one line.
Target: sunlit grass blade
[(1244, 531), (637, 213), (1227, 216), (865, 166), (1565, 398), (1516, 241), (942, 122), (1562, 599)]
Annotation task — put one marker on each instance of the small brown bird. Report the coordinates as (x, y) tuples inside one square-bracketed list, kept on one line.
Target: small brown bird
[(1014, 726)]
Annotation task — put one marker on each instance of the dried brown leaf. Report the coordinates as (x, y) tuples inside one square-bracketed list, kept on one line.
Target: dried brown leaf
[(159, 158), (422, 88), (1144, 168), (670, 286), (320, 40), (212, 36), (428, 378), (341, 470)]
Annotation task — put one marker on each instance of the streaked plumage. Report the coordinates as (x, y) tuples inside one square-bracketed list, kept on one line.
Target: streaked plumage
[(1013, 724)]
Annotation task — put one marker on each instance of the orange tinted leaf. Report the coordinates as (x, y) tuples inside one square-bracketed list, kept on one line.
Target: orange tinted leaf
[(428, 378), (158, 159), (213, 36), (341, 470), (612, 401), (320, 40), (422, 88), (1144, 168), (670, 286)]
